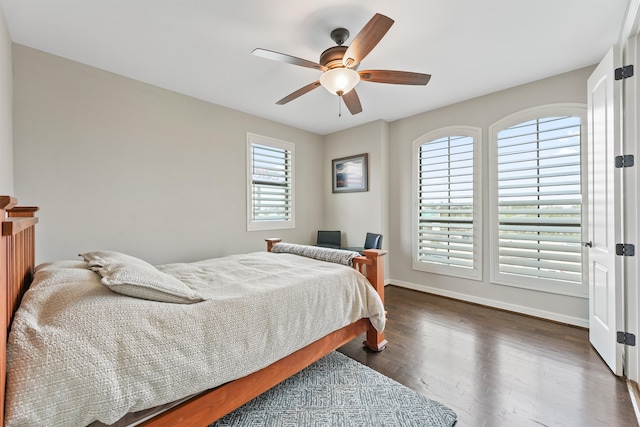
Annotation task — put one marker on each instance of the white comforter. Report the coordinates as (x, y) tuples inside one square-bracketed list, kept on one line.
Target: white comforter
[(78, 352)]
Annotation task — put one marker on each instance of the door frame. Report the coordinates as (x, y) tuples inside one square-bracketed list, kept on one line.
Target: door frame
[(630, 54)]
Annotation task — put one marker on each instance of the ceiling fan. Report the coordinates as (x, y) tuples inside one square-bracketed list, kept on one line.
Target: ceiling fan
[(339, 64)]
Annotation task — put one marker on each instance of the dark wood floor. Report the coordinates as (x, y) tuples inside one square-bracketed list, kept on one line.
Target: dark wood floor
[(496, 368)]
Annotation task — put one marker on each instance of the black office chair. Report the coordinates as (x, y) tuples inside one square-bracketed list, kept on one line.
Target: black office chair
[(329, 239), (373, 241)]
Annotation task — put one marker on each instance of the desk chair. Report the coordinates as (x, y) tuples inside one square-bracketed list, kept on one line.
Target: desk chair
[(372, 241), (329, 239)]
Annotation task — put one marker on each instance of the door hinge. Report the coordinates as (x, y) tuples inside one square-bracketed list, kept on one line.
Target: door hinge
[(625, 249), (626, 338), (623, 72), (625, 161)]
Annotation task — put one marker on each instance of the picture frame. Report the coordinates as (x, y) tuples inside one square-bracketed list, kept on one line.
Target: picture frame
[(350, 174)]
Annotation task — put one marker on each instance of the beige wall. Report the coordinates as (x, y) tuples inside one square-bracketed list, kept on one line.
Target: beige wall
[(6, 96), (479, 112), (120, 165), (355, 214)]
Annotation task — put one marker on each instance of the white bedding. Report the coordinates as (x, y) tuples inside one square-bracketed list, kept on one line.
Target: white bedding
[(123, 354)]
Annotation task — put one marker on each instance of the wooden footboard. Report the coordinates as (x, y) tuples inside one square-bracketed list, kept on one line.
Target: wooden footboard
[(17, 261)]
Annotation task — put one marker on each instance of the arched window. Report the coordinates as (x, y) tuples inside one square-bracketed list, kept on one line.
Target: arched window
[(447, 189), (536, 199)]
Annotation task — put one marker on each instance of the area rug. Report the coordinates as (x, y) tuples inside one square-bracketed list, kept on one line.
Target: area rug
[(339, 391)]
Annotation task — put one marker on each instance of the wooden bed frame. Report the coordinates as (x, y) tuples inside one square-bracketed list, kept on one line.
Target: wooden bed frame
[(17, 261)]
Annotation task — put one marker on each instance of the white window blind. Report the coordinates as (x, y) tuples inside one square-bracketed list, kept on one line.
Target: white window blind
[(446, 202), (270, 184), (539, 201)]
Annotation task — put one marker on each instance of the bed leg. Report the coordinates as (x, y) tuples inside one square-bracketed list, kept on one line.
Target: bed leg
[(375, 340), (375, 274)]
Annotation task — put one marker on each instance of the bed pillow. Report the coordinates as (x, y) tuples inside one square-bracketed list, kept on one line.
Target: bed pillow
[(97, 259), (62, 264), (146, 282)]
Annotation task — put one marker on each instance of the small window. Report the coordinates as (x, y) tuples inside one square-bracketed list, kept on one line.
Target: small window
[(448, 214), (270, 183), (537, 221)]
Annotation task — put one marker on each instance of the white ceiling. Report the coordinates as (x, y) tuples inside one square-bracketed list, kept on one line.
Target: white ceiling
[(202, 48)]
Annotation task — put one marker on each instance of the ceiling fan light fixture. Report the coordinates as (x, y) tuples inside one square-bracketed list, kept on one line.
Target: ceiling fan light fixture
[(339, 64), (339, 80)]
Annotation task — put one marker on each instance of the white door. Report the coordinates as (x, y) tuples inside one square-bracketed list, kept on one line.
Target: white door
[(604, 212)]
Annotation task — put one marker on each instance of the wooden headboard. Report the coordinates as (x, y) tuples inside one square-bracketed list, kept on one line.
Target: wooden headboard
[(17, 261)]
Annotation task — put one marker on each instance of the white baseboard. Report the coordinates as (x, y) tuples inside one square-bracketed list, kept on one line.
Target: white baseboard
[(570, 320)]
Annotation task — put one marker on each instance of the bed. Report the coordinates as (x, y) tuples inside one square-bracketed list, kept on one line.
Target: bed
[(17, 267)]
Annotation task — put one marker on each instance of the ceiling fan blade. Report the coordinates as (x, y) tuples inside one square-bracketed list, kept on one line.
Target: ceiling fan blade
[(394, 77), (352, 101), (366, 40), (281, 57), (299, 92)]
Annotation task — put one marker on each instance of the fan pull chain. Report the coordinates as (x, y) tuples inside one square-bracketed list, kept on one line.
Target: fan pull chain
[(339, 93)]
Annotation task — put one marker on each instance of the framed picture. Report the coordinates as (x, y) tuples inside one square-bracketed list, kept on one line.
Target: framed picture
[(350, 173)]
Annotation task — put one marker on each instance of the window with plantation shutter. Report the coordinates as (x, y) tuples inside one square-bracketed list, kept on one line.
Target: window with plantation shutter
[(537, 218), (448, 214), (270, 183)]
